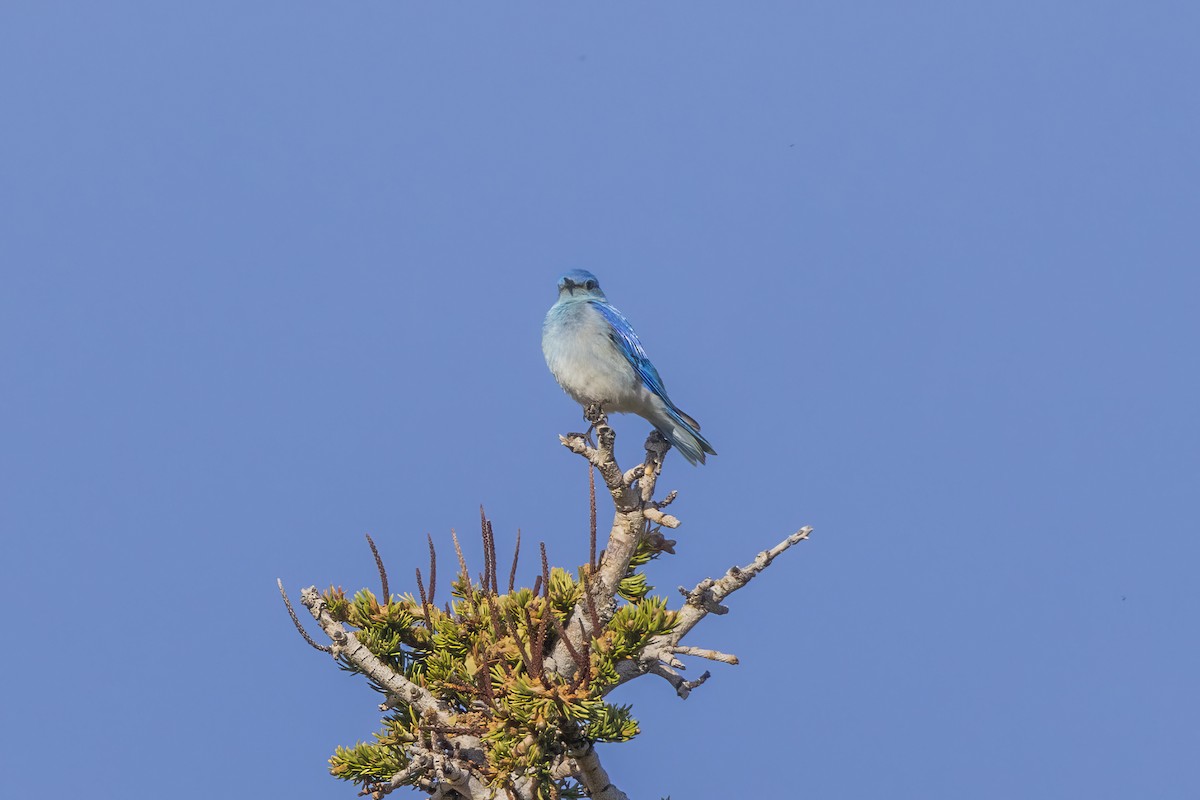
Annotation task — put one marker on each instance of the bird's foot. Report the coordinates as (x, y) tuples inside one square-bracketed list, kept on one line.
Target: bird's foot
[(594, 414), (656, 446), (584, 435)]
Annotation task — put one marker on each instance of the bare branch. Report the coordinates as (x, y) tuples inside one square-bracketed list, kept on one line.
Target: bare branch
[(659, 518), (603, 459), (735, 578), (591, 518), (700, 652), (632, 475), (702, 597), (591, 772), (345, 644), (682, 688), (659, 655), (458, 776), (296, 621), (401, 778), (564, 767), (632, 495)]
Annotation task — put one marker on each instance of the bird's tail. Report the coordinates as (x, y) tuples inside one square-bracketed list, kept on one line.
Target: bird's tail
[(683, 433)]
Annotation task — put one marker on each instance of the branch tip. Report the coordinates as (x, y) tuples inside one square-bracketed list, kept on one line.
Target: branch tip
[(296, 620)]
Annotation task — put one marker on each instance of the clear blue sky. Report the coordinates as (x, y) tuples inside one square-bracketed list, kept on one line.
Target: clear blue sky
[(274, 274)]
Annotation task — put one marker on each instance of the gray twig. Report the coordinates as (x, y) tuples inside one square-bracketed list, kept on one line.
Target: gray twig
[(296, 621)]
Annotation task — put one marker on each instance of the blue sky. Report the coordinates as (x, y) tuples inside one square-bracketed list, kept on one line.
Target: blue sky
[(274, 275)]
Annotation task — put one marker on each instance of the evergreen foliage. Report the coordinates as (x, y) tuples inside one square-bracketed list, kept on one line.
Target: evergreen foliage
[(484, 654)]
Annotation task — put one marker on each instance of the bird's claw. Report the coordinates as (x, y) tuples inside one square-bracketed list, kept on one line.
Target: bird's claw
[(657, 443), (594, 414)]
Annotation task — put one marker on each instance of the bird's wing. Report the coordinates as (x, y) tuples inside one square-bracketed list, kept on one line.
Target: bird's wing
[(626, 340)]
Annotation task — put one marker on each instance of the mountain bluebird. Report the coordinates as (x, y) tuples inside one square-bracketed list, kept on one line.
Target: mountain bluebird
[(596, 358)]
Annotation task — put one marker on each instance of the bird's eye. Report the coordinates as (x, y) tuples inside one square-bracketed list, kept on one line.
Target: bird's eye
[(589, 285)]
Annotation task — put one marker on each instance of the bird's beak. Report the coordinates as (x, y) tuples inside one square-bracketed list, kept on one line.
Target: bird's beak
[(570, 286)]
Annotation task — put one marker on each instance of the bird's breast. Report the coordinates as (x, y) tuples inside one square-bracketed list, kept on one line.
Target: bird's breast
[(584, 360)]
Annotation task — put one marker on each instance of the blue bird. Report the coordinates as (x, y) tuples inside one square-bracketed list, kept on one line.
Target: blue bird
[(596, 357)]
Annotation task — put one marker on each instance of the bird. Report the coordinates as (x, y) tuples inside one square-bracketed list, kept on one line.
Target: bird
[(596, 357)]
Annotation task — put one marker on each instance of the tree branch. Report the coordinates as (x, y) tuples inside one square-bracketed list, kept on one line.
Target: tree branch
[(707, 595), (418, 762), (591, 772), (659, 655), (459, 778), (324, 648), (457, 770), (682, 687), (633, 504), (345, 644), (448, 759), (700, 652)]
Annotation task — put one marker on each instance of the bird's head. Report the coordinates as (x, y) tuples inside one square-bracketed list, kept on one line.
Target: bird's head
[(579, 283)]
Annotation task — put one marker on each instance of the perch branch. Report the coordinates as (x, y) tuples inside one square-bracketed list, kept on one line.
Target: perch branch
[(591, 518), (632, 495)]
